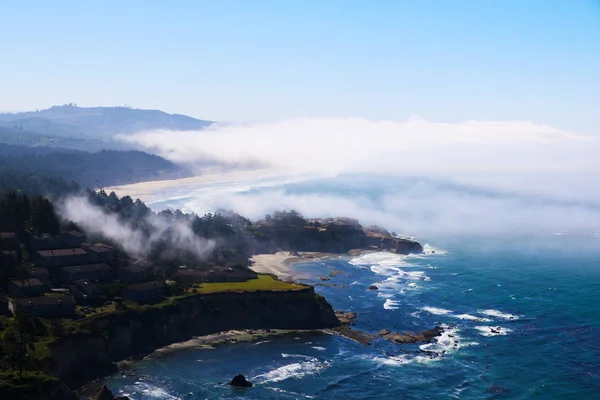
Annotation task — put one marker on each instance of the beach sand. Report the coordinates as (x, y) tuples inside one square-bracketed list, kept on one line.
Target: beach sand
[(279, 264), (147, 190)]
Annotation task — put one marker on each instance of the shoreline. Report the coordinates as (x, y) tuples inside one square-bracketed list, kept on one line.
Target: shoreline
[(280, 263)]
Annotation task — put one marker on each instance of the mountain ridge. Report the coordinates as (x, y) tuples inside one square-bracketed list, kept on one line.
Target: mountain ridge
[(97, 122)]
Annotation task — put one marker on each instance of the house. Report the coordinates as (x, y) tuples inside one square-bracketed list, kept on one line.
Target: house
[(61, 257), (38, 273), (46, 307), (135, 273), (98, 253), (84, 291), (72, 239), (43, 241), (8, 241), (92, 272), (26, 288), (144, 292)]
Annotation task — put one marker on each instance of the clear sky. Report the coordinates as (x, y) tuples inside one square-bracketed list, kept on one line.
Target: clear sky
[(444, 60)]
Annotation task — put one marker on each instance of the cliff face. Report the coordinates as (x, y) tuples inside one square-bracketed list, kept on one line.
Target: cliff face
[(393, 244), (135, 332), (334, 238)]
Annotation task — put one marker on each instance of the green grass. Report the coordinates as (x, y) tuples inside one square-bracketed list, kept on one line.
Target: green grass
[(263, 282)]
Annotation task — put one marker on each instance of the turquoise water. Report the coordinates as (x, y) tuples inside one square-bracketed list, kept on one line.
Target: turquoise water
[(522, 318)]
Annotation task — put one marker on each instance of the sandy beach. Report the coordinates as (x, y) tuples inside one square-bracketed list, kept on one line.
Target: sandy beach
[(279, 264), (146, 190)]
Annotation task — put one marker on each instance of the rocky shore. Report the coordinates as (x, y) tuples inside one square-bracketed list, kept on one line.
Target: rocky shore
[(347, 320)]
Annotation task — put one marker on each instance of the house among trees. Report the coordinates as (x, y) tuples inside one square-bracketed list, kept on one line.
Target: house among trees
[(58, 258), (45, 307), (144, 292), (84, 291), (98, 253), (72, 239), (43, 241), (135, 273), (8, 241), (38, 273), (26, 288), (91, 272)]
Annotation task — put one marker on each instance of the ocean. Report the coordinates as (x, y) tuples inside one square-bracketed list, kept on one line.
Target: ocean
[(521, 313)]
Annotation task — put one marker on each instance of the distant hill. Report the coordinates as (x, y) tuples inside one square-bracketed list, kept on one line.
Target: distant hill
[(96, 122), (99, 169)]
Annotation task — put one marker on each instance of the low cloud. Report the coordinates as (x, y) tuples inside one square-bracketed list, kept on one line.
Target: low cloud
[(516, 176), (178, 234)]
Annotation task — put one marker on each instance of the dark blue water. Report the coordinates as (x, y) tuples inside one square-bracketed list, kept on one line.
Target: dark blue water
[(522, 318)]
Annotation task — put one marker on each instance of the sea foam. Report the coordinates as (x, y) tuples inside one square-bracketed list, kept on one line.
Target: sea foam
[(436, 310), (309, 366), (498, 314), (493, 330)]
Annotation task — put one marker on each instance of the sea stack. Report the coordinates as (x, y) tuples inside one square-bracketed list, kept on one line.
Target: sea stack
[(240, 382)]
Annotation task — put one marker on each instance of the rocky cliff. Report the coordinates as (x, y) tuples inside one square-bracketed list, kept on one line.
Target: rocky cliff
[(139, 331), (333, 235)]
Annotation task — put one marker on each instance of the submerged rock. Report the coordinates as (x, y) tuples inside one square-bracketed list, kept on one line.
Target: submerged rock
[(373, 287), (104, 393), (240, 381)]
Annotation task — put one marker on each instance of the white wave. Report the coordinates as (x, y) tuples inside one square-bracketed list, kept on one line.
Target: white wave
[(447, 342), (385, 295), (155, 392), (379, 258), (402, 359), (264, 341), (287, 355), (470, 317), (279, 390), (429, 249), (498, 314), (493, 330), (295, 370), (436, 310), (320, 348), (391, 304), (354, 283)]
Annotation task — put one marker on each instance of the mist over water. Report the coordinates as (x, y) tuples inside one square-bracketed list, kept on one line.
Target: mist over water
[(415, 176), (509, 215)]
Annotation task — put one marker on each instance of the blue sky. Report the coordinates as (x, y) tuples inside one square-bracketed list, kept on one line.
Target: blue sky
[(446, 61)]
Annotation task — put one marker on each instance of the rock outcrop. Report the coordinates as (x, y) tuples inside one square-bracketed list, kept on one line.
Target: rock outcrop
[(239, 381), (105, 394), (332, 235), (140, 331)]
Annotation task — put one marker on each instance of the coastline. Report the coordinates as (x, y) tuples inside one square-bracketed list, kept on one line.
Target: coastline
[(147, 190), (280, 263)]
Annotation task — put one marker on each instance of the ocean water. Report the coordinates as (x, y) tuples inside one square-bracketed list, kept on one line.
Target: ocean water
[(522, 319), (513, 277)]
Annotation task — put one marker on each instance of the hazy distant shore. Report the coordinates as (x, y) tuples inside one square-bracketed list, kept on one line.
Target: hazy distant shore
[(146, 191)]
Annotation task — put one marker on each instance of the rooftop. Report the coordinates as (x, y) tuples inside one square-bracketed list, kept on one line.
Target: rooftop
[(43, 236), (61, 252), (27, 282), (135, 268), (75, 234), (38, 270), (87, 268), (98, 248), (47, 300)]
